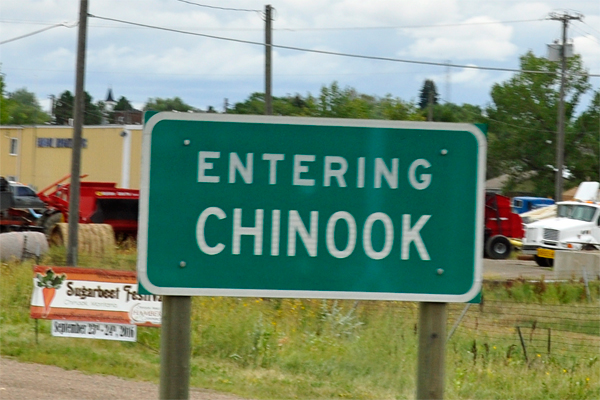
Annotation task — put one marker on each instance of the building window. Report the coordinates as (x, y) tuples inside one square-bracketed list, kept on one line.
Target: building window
[(14, 146)]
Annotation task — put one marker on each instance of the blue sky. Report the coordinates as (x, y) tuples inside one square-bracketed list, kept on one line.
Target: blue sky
[(140, 63)]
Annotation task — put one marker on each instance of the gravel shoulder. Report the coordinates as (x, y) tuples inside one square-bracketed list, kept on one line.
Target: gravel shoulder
[(513, 269), (24, 381)]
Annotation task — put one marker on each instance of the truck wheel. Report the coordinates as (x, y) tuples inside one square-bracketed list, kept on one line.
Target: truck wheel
[(498, 247), (543, 262)]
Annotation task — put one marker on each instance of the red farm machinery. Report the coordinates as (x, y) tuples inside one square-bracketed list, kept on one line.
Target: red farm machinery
[(106, 213)]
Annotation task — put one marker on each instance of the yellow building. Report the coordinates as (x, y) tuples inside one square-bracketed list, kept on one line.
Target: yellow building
[(40, 155)]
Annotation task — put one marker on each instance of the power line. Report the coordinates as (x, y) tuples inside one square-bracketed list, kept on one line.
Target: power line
[(40, 31), (349, 28), (333, 53), (413, 26), (586, 35), (591, 27), (219, 8)]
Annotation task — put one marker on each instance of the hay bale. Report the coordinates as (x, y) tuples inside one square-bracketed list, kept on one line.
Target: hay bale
[(22, 245), (93, 239)]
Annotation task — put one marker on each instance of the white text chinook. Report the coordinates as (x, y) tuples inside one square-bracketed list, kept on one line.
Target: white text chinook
[(334, 167)]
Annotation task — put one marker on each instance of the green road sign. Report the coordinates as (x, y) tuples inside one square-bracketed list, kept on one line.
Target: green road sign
[(311, 208)]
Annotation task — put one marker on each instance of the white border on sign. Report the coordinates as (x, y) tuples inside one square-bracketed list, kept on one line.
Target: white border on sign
[(309, 294)]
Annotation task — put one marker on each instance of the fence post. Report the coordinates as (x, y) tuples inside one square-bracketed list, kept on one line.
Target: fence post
[(461, 316), (587, 285), (523, 344)]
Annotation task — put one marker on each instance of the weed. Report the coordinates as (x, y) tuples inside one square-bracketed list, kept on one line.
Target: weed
[(306, 348)]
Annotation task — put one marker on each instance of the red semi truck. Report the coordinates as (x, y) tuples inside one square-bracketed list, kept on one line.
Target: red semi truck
[(501, 225)]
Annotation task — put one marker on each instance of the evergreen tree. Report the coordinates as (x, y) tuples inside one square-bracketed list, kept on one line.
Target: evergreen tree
[(426, 90), (3, 102), (64, 109), (123, 105)]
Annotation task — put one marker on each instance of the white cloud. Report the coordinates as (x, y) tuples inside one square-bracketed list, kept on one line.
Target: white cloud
[(589, 48), (142, 62), (471, 78), (483, 42), (586, 41), (391, 12)]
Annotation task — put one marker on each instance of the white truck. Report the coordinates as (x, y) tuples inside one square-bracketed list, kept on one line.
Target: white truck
[(575, 227)]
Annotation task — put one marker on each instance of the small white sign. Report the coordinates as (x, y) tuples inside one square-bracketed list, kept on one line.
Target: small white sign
[(94, 330), (81, 294)]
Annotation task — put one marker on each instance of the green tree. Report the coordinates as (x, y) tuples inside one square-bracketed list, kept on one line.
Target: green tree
[(427, 90), (24, 109), (3, 102), (63, 109), (93, 112), (523, 120), (295, 105), (586, 134), (332, 102), (397, 109), (123, 105), (335, 102), (450, 112), (174, 104), (288, 105), (254, 105)]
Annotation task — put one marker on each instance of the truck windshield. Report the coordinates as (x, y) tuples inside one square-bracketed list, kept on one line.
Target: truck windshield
[(575, 211), (24, 191)]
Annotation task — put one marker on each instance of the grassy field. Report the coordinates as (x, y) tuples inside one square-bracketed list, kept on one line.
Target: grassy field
[(313, 349)]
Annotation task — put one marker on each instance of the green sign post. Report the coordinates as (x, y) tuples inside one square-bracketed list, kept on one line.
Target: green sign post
[(311, 208)]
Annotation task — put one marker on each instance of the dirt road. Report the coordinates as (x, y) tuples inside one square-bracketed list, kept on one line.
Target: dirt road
[(25, 381)]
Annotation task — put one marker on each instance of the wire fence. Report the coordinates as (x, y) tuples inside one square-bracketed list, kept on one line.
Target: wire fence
[(532, 329), (528, 327), (535, 328)]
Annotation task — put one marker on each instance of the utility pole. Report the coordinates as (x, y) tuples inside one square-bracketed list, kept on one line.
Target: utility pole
[(560, 134), (268, 70), (77, 129), (448, 82)]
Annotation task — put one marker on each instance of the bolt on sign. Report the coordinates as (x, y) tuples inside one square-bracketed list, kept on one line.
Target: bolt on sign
[(311, 208)]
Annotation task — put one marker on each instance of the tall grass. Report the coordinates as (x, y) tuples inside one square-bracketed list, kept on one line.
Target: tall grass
[(311, 349)]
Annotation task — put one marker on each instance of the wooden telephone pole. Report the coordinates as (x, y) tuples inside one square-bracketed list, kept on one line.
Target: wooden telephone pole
[(75, 189), (268, 64), (560, 134)]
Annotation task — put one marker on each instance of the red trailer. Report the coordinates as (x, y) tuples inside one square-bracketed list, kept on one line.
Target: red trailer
[(501, 225)]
